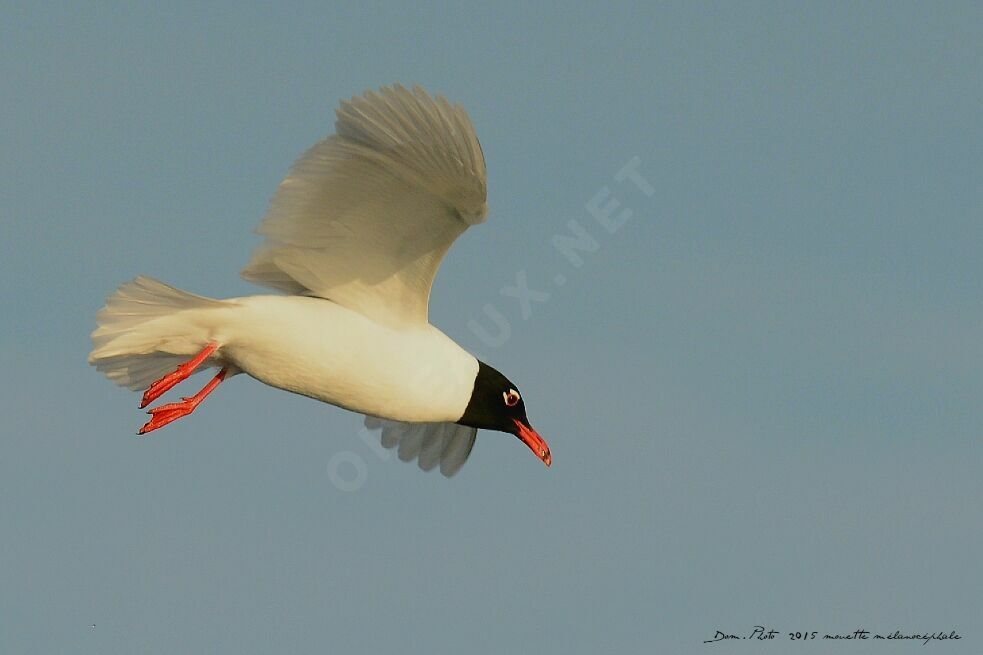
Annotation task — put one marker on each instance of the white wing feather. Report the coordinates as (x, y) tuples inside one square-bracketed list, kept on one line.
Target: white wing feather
[(365, 216), (446, 444)]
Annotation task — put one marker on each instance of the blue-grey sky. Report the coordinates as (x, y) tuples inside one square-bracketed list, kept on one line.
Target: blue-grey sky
[(762, 392)]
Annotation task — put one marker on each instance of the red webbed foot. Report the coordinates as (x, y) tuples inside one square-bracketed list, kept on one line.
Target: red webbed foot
[(181, 373), (165, 414)]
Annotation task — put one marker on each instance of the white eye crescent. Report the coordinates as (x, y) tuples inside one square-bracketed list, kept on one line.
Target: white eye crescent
[(511, 397)]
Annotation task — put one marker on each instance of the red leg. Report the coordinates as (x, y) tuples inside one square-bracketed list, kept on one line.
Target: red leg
[(181, 373), (165, 414)]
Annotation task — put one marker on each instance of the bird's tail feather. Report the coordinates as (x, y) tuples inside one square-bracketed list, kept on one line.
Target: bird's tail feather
[(146, 329)]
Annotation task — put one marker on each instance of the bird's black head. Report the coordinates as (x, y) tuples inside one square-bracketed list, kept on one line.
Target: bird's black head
[(497, 405)]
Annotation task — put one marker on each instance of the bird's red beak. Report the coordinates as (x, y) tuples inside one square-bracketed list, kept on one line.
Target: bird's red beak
[(535, 442)]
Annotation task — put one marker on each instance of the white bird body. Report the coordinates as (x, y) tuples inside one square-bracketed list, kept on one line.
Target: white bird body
[(355, 235), (333, 354)]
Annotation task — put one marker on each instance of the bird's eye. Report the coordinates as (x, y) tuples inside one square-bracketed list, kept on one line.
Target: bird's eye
[(511, 397)]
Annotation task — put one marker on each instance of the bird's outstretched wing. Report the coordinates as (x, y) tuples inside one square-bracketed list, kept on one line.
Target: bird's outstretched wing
[(365, 217), (447, 444)]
